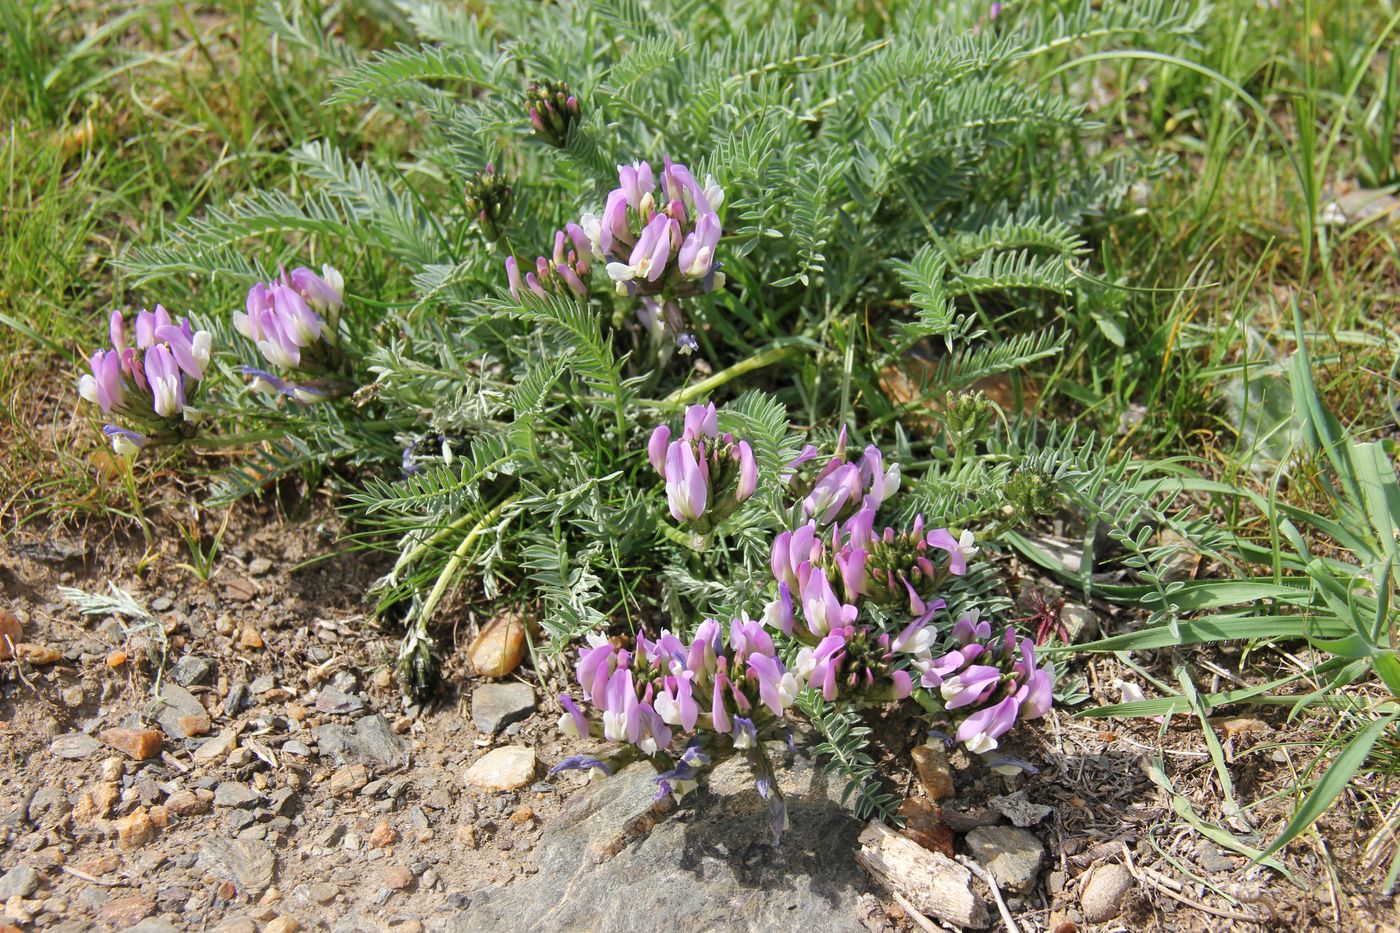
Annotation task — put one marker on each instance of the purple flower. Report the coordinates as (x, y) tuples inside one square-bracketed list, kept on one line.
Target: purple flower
[(166, 380), (832, 492), (748, 472), (687, 482), (778, 613), (826, 660), (1038, 694), (697, 252), (970, 686), (124, 442), (959, 550), (744, 734), (572, 722), (104, 386), (701, 421), (191, 351), (279, 321), (676, 703), (707, 475), (820, 607), (322, 292), (657, 448), (581, 763), (980, 731), (264, 381)]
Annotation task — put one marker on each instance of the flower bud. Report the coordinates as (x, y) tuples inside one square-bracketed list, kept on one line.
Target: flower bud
[(490, 199), (552, 110)]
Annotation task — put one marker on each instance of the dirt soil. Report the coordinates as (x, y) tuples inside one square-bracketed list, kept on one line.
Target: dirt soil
[(295, 788)]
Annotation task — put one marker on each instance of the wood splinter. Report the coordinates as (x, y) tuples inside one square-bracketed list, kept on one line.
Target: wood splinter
[(932, 883)]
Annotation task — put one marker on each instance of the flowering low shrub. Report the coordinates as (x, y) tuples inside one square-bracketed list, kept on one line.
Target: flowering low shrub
[(863, 627), (833, 227)]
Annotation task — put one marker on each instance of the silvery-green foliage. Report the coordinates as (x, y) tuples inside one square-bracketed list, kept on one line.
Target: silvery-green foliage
[(898, 187)]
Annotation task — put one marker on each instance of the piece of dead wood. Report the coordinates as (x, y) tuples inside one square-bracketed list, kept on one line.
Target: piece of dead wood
[(930, 881)]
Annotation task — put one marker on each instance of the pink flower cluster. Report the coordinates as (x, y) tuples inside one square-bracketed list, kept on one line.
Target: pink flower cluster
[(565, 269), (652, 241), (990, 683), (657, 243), (892, 568), (708, 474), (167, 358), (283, 317), (646, 696)]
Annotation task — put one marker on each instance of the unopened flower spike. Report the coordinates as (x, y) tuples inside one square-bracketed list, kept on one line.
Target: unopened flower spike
[(552, 109), (490, 199), (563, 272)]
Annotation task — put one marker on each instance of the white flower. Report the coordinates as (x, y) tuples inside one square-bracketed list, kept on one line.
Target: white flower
[(667, 708), (788, 689), (621, 272), (713, 193), (967, 544), (569, 727)]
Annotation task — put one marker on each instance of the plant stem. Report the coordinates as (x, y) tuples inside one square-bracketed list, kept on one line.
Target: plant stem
[(440, 587), (773, 354)]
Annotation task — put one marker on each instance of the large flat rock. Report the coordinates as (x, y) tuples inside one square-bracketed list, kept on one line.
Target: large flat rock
[(710, 865)]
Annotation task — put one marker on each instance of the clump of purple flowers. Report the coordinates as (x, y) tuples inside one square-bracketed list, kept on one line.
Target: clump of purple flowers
[(565, 270), (708, 474), (854, 619), (294, 322), (651, 242), (735, 691), (989, 684), (658, 243), (147, 382)]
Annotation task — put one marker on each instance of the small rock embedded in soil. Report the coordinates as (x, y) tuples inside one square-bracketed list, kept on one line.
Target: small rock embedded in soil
[(396, 877), (259, 566), (1013, 856), (335, 701), (383, 835), (497, 705), (74, 745), (135, 829), (503, 769), (1019, 810), (348, 780), (139, 744), (934, 773), (191, 670), (181, 714), (216, 749), (38, 655), (186, 803), (128, 911), (11, 632), (499, 648), (371, 741), (248, 863), (20, 881), (1104, 892), (924, 824), (233, 794), (236, 924)]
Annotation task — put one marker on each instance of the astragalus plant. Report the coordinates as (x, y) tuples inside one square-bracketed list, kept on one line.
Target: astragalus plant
[(832, 220)]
